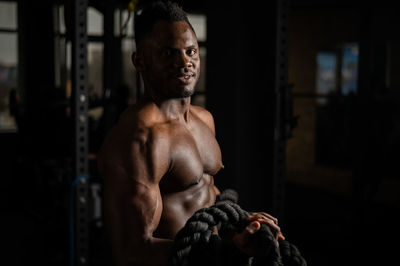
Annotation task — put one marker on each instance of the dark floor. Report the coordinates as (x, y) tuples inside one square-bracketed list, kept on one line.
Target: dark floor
[(332, 230)]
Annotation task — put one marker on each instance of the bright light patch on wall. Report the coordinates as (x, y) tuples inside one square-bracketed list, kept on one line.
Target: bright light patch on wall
[(199, 23), (8, 65), (95, 22), (326, 72), (8, 15), (350, 55)]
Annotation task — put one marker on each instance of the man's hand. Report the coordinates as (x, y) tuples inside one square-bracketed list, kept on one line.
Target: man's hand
[(244, 242)]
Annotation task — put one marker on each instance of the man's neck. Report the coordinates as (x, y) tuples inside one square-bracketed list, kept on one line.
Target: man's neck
[(173, 108)]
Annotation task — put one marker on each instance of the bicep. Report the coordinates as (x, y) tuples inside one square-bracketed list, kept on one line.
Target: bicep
[(134, 198), (133, 203), (143, 209), (132, 213)]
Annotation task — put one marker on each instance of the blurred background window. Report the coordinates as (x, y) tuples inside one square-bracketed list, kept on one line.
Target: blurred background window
[(8, 66), (349, 68)]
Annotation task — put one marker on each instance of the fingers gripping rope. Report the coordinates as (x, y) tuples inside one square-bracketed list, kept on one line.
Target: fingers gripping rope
[(196, 244)]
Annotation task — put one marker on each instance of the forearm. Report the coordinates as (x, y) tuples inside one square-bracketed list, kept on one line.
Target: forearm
[(152, 252)]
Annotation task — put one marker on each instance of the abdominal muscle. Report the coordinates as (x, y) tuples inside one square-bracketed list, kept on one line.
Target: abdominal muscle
[(178, 207)]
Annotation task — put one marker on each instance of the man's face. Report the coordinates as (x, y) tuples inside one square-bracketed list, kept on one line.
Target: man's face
[(171, 59)]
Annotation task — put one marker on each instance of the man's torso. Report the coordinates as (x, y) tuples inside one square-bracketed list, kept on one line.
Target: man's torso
[(194, 157)]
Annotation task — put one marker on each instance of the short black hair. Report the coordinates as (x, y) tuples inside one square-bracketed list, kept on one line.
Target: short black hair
[(149, 12)]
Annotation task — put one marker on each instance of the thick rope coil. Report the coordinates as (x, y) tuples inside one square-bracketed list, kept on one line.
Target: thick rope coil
[(290, 254), (229, 195), (195, 244)]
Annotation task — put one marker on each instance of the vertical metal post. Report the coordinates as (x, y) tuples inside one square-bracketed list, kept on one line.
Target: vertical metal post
[(80, 186), (281, 119)]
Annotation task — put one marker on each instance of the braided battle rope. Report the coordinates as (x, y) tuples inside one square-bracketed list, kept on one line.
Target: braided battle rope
[(195, 244)]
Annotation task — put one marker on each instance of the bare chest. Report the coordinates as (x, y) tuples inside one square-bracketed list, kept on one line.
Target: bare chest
[(194, 153)]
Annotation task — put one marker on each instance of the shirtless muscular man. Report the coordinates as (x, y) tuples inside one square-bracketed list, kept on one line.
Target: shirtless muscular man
[(159, 160)]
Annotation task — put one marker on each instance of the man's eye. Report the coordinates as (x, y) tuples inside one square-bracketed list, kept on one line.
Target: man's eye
[(192, 52)]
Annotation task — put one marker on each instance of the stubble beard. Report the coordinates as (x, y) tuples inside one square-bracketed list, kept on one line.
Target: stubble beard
[(187, 93)]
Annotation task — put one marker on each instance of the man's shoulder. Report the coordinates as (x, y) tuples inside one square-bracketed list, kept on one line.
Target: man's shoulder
[(132, 138), (204, 115), (140, 121), (134, 130)]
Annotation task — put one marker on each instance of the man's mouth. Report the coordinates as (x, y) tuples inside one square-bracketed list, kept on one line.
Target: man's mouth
[(185, 78)]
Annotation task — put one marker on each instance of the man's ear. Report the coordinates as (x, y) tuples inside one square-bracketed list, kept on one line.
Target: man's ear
[(138, 62)]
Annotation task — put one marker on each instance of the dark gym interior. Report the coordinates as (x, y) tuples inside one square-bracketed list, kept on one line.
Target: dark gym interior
[(306, 100)]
